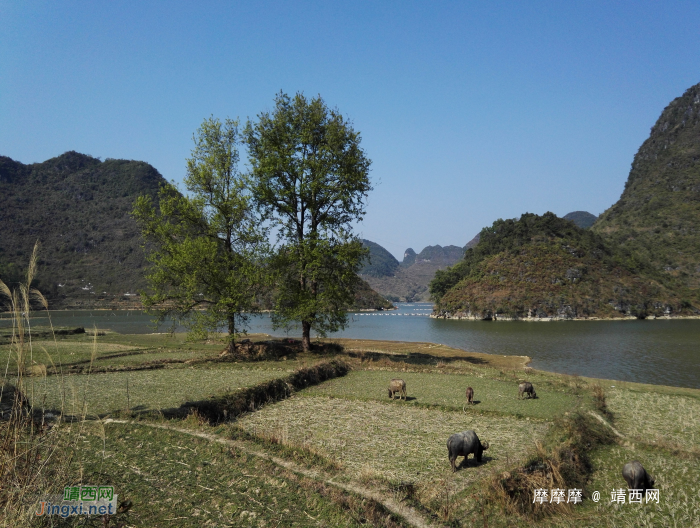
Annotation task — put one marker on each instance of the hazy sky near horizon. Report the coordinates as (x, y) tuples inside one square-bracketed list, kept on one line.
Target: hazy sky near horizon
[(470, 111)]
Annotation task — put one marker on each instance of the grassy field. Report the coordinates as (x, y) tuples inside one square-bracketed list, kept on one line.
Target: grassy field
[(394, 445), (178, 480), (447, 391), (99, 394), (657, 418), (341, 453)]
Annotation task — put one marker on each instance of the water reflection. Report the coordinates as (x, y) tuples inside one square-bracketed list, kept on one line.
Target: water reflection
[(659, 352)]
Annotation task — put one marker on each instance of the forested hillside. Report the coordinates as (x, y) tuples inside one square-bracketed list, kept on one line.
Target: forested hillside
[(78, 208), (583, 219), (379, 263), (658, 214), (545, 266)]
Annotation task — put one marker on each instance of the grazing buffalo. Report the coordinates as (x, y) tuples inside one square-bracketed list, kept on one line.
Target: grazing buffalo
[(397, 385), (470, 396), (526, 388), (637, 477), (461, 444)]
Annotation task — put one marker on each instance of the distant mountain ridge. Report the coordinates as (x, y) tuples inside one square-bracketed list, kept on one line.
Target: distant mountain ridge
[(409, 279), (79, 207), (583, 219)]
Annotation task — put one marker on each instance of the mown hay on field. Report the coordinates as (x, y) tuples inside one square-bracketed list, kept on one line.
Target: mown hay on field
[(400, 443), (656, 418)]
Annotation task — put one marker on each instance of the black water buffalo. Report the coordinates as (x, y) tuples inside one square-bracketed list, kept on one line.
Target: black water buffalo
[(526, 388), (397, 385), (470, 395), (637, 477), (461, 444)]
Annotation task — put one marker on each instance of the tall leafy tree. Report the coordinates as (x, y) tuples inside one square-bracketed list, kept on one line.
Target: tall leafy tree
[(311, 178), (206, 249)]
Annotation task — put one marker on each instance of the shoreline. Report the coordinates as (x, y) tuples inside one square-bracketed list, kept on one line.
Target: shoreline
[(558, 319)]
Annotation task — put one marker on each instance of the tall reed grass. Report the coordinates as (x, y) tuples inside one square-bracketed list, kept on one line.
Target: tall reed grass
[(35, 452)]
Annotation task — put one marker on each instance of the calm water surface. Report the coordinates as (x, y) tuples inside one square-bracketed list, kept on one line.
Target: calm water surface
[(658, 352)]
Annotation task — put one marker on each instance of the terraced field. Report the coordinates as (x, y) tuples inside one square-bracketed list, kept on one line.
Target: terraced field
[(447, 391)]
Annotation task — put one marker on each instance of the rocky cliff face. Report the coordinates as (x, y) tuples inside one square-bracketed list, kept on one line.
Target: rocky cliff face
[(658, 215)]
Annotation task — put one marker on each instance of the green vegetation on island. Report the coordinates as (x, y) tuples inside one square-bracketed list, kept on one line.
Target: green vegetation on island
[(547, 267)]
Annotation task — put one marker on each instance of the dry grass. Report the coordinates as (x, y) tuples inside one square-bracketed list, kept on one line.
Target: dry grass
[(399, 443), (34, 458), (431, 349), (656, 418), (676, 479)]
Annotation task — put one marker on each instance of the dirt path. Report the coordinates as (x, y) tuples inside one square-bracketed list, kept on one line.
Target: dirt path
[(409, 514)]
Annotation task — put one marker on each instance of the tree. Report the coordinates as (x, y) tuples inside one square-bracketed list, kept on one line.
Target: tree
[(310, 177), (206, 249)]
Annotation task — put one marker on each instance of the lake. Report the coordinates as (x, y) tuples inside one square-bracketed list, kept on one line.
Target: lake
[(662, 352)]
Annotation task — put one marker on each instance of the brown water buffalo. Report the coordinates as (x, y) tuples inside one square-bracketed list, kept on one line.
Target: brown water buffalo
[(637, 477), (397, 385), (526, 388), (462, 444), (470, 396)]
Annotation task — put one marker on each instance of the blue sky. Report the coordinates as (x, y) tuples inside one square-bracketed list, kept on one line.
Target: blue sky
[(470, 111)]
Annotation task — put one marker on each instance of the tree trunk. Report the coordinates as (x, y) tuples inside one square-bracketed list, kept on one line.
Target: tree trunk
[(231, 346), (306, 336)]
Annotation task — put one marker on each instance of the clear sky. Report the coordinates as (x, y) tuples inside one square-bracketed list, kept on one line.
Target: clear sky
[(470, 111)]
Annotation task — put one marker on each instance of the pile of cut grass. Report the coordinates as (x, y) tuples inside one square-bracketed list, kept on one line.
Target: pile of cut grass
[(448, 391)]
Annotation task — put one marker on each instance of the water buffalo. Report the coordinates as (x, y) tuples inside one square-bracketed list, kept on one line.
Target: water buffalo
[(526, 388), (461, 444), (637, 477), (397, 385), (470, 395)]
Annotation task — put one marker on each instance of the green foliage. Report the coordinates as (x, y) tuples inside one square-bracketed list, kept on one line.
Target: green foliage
[(310, 178), (379, 263), (509, 236), (543, 266), (206, 250)]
